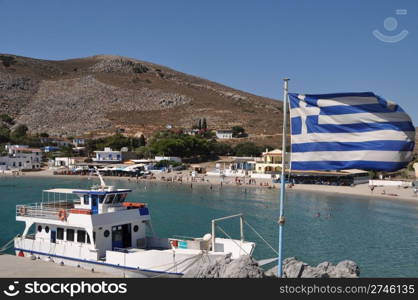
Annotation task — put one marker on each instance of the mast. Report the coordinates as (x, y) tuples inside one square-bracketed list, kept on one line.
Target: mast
[(282, 180), (102, 183)]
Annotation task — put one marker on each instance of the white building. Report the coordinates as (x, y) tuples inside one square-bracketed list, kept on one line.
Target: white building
[(172, 158), (77, 142), (69, 162), (416, 169), (113, 156), (21, 157), (224, 134)]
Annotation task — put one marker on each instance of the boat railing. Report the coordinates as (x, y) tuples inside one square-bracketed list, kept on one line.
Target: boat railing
[(57, 210), (214, 225)]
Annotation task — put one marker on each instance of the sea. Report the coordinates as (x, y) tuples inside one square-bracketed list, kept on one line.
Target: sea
[(380, 235)]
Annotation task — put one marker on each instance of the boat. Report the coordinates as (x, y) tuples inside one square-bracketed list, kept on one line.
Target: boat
[(99, 230)]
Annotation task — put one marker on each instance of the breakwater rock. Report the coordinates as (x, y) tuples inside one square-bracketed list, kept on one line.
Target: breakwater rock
[(247, 267), (294, 268), (244, 267)]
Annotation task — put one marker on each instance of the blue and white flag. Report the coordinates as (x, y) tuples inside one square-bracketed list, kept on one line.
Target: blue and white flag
[(349, 131)]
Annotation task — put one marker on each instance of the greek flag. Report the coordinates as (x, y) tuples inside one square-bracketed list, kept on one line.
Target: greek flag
[(349, 131)]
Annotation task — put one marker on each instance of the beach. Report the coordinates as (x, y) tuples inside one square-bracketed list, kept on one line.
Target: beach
[(215, 182)]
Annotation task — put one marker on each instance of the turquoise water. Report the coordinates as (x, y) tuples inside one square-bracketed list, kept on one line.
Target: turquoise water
[(380, 235)]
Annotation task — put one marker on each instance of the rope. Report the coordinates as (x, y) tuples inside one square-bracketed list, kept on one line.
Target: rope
[(198, 256), (259, 235), (231, 239), (7, 245)]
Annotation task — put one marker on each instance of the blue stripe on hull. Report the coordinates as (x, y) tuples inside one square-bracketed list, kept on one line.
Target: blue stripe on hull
[(354, 146), (354, 164), (96, 262)]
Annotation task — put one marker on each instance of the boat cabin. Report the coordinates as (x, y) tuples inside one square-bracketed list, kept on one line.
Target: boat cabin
[(92, 221)]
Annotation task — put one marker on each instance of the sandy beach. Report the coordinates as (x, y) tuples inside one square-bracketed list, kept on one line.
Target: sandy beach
[(363, 190)]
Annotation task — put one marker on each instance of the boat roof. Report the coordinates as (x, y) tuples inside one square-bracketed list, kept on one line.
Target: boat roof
[(79, 191)]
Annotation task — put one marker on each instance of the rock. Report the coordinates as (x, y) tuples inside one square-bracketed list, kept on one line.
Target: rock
[(345, 269), (293, 268), (244, 267), (313, 272)]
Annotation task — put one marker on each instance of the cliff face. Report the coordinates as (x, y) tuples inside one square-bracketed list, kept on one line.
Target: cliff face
[(96, 95)]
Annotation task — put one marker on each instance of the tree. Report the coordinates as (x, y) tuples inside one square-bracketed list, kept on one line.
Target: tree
[(222, 149), (7, 119), (142, 141), (20, 131), (247, 149), (44, 134), (238, 131), (4, 134), (204, 124), (67, 151)]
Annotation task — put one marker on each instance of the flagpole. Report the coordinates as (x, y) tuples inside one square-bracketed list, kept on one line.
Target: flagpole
[(282, 180)]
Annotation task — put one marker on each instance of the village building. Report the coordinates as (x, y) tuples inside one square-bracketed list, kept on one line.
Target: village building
[(79, 142), (191, 131), (69, 162), (224, 134), (271, 162), (48, 149), (170, 158), (113, 156), (21, 157)]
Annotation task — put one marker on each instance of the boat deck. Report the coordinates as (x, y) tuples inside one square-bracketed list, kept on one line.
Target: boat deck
[(12, 266)]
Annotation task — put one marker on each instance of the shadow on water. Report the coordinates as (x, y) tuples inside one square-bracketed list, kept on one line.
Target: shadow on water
[(380, 235)]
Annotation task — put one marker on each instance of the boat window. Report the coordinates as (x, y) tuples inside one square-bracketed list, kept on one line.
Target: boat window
[(101, 198), (136, 228), (106, 233), (70, 235), (110, 198), (81, 236), (60, 233), (117, 198), (123, 197), (86, 199), (88, 237), (39, 228), (46, 229)]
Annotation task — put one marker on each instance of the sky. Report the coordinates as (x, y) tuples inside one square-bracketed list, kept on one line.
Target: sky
[(323, 46)]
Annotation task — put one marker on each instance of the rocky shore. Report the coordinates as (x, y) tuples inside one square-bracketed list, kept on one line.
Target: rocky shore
[(247, 267)]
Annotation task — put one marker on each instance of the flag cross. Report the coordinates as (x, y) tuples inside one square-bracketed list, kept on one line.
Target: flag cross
[(303, 112)]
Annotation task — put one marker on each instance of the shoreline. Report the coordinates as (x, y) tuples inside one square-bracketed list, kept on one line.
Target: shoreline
[(361, 190)]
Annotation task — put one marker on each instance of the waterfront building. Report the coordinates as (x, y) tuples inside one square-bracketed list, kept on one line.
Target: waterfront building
[(416, 169), (113, 156), (21, 157), (69, 162), (270, 163)]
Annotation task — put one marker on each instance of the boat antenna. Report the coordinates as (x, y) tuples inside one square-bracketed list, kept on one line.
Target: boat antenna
[(282, 181), (102, 183)]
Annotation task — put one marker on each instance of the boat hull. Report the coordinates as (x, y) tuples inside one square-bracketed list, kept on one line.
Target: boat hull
[(96, 266)]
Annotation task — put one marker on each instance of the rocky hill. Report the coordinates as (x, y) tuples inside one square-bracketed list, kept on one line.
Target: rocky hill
[(97, 95)]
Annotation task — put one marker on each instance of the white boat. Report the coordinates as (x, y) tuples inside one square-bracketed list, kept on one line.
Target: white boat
[(99, 230)]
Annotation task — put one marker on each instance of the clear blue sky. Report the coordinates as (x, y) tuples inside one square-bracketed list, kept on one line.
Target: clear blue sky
[(322, 45)]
